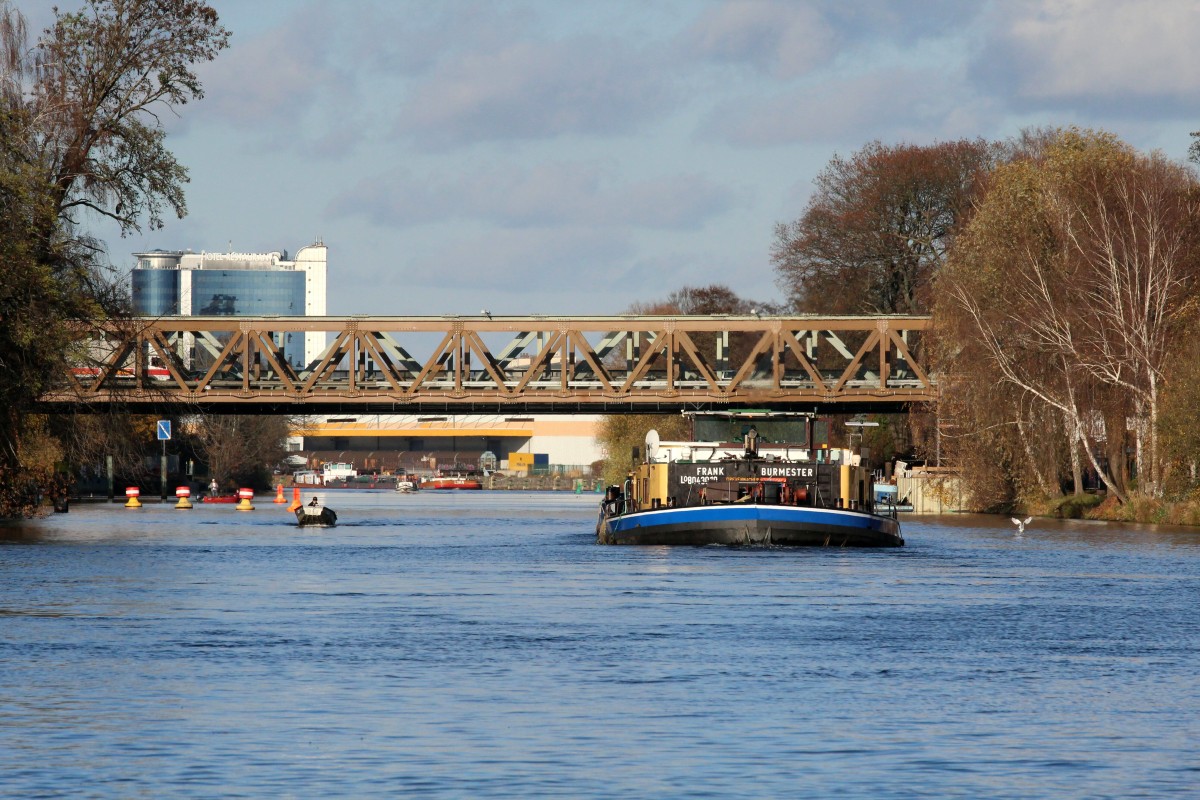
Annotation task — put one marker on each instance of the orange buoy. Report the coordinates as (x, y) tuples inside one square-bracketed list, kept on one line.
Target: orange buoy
[(295, 499), (279, 498)]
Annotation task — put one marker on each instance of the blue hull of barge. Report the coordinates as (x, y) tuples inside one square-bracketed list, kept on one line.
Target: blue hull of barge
[(736, 524)]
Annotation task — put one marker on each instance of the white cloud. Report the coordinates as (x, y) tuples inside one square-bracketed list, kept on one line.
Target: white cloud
[(537, 90), (782, 39), (529, 258), (262, 81), (883, 104), (1123, 56), (571, 193), (410, 38)]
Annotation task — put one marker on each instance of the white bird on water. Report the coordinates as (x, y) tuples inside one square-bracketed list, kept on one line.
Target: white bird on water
[(1021, 523)]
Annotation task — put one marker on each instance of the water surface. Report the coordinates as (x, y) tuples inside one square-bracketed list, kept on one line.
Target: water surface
[(481, 645)]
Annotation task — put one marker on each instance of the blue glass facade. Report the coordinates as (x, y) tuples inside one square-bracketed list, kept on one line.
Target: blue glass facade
[(156, 292), (247, 292), (252, 293), (242, 293)]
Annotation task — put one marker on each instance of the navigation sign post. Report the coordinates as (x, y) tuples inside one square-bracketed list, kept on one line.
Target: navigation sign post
[(163, 428)]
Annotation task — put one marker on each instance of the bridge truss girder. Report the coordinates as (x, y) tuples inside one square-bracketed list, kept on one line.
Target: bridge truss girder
[(517, 364)]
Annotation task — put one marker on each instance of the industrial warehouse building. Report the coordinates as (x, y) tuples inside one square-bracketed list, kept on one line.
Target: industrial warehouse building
[(424, 444)]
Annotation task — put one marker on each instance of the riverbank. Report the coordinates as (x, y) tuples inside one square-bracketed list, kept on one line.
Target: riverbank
[(1143, 510)]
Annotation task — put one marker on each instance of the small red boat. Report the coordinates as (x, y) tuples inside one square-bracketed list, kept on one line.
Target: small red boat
[(219, 498)]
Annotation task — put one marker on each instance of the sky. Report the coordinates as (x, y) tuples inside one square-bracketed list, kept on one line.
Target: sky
[(577, 156)]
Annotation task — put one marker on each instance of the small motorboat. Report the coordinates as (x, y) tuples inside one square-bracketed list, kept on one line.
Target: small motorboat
[(315, 515)]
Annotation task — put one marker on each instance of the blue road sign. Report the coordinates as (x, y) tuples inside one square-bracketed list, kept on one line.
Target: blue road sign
[(164, 430)]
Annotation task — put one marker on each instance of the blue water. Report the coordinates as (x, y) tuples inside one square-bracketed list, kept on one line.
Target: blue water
[(481, 645)]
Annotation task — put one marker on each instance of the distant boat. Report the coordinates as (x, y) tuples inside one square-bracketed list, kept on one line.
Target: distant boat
[(454, 479), (363, 482)]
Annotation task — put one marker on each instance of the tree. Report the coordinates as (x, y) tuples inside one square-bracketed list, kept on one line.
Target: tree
[(621, 433), (101, 78), (878, 227), (239, 448), (1071, 284), (1179, 418), (80, 131)]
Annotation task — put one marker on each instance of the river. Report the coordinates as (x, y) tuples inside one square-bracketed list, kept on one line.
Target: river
[(482, 645)]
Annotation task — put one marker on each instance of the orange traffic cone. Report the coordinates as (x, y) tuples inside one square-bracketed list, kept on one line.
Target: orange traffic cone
[(279, 498)]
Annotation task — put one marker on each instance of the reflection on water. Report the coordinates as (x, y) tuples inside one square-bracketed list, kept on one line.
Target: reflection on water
[(482, 645)]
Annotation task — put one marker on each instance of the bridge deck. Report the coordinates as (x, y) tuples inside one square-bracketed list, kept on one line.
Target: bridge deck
[(466, 364)]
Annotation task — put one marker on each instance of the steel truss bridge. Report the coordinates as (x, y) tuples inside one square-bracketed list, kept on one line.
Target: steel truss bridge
[(638, 364)]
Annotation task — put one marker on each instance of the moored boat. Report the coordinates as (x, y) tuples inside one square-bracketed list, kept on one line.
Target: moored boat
[(362, 482), (887, 498), (454, 480), (702, 493), (752, 524)]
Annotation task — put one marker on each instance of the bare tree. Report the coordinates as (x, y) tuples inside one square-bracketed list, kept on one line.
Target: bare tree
[(1073, 279), (1133, 234), (238, 446)]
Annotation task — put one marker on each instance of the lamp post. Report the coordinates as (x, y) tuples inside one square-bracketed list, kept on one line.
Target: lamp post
[(859, 424)]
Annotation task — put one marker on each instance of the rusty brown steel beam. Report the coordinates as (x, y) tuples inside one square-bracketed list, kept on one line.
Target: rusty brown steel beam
[(567, 364)]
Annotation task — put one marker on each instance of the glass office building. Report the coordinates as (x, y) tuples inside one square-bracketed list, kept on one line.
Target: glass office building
[(169, 283)]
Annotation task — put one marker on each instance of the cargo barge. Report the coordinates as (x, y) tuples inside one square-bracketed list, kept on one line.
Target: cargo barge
[(748, 493)]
